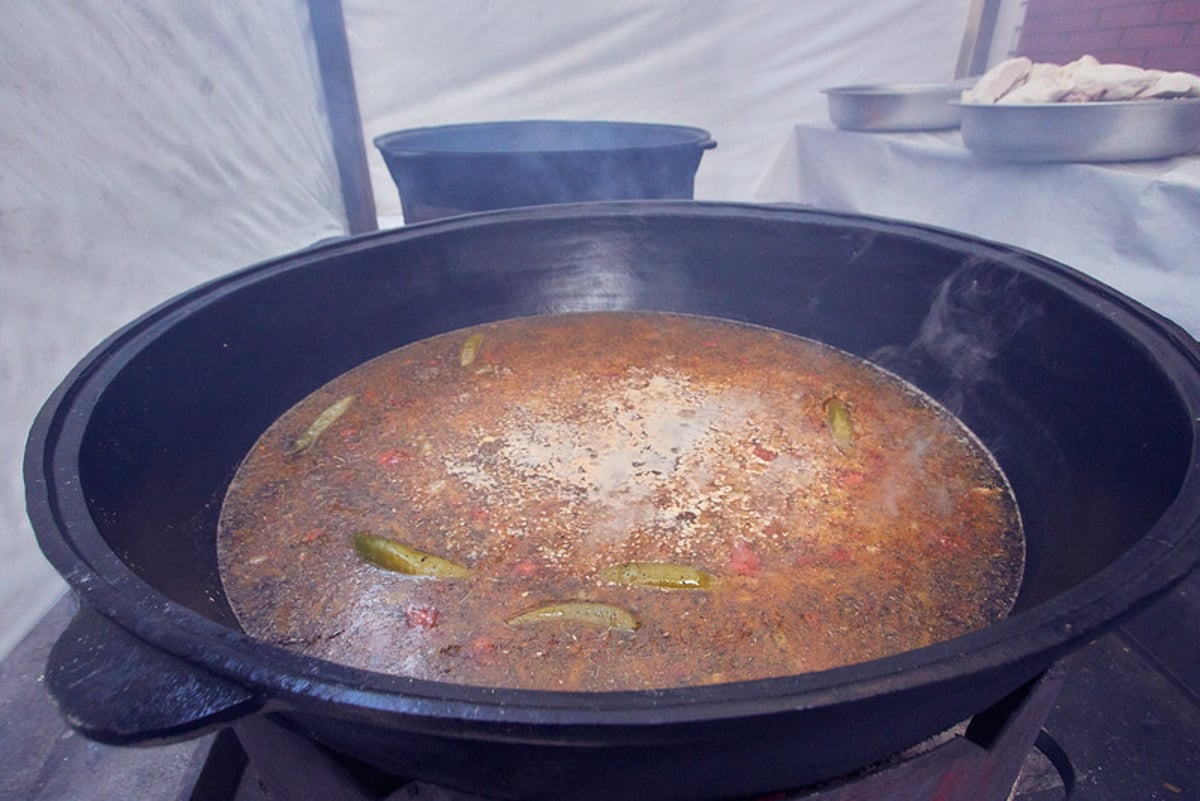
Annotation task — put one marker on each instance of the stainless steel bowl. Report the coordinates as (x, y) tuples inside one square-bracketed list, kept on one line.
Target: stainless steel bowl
[(1133, 130), (896, 106)]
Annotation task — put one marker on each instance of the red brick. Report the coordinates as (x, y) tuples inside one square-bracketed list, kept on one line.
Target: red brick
[(1128, 16), (1046, 56), (1181, 11), (1092, 41), (1048, 8), (1193, 37), (1136, 57), (1060, 23), (1185, 59), (1045, 7), (1154, 36), (1041, 42)]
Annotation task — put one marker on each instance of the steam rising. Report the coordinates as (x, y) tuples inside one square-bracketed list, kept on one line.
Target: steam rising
[(974, 315)]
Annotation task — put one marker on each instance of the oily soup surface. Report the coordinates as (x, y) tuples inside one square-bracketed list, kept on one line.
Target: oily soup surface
[(615, 501)]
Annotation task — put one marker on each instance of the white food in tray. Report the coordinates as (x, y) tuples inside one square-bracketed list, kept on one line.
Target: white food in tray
[(1020, 80)]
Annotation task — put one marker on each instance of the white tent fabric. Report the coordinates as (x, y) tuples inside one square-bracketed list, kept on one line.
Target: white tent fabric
[(147, 147), (1131, 225), (745, 70), (150, 146)]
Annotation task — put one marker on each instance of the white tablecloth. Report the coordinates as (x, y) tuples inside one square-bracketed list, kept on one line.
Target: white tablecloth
[(1134, 226)]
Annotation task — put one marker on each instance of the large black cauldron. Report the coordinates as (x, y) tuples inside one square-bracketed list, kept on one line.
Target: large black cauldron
[(1089, 401)]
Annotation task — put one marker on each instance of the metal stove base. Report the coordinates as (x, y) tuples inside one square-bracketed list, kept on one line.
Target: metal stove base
[(979, 761)]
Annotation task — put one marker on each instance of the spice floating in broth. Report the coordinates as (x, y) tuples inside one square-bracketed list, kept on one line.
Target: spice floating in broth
[(323, 421), (839, 423), (400, 558), (590, 613), (470, 350), (664, 575)]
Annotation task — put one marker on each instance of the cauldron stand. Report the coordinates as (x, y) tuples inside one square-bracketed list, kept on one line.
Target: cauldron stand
[(978, 761)]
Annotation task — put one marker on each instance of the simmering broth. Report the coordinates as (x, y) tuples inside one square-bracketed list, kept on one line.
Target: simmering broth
[(616, 500)]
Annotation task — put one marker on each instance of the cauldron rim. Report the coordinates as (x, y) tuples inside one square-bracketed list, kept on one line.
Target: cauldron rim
[(416, 142), (105, 584)]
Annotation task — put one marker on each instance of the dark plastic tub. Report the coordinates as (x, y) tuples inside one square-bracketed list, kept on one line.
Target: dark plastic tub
[(458, 169)]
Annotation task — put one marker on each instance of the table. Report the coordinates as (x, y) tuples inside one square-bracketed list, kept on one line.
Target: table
[(1134, 226)]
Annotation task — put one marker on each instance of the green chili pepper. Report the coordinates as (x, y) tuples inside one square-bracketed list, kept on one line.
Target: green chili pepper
[(470, 349), (586, 612), (400, 558), (839, 424), (659, 574), (324, 420)]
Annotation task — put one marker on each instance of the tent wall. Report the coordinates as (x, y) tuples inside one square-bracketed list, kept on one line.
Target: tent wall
[(147, 147), (746, 70)]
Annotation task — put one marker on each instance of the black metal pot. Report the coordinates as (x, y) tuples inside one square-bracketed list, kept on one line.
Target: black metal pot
[(457, 169), (1088, 400)]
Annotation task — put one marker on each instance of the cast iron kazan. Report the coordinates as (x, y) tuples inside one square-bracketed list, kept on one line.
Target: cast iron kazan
[(1088, 400)]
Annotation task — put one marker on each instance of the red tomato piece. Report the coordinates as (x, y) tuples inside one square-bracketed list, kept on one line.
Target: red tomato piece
[(743, 561), (393, 456), (525, 567), (421, 617), (483, 649), (766, 454), (839, 556)]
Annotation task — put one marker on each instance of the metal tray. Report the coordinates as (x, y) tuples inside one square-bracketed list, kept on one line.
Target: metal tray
[(1133, 130), (896, 106)]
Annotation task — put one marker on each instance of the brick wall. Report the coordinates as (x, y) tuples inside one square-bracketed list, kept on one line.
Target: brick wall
[(1158, 34)]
